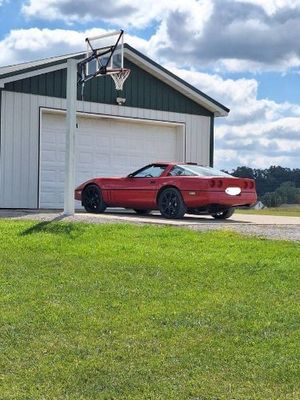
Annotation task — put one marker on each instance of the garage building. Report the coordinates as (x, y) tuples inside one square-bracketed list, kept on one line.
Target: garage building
[(163, 119)]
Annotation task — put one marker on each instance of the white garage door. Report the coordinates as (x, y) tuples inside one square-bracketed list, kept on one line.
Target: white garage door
[(104, 147)]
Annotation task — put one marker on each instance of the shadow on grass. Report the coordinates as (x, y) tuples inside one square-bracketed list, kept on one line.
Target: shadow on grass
[(54, 227)]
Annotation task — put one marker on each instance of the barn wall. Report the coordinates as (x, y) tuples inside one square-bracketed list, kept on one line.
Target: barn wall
[(20, 122), (141, 90)]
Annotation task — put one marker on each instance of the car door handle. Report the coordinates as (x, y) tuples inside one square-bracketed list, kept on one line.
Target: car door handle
[(152, 182)]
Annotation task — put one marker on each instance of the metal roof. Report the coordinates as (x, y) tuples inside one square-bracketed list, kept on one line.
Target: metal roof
[(31, 65)]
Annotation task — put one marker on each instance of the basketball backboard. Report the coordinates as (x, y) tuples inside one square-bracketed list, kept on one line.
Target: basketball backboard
[(109, 47), (104, 55)]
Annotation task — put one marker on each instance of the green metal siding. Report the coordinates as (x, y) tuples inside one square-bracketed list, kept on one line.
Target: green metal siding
[(52, 84), (170, 74), (141, 90)]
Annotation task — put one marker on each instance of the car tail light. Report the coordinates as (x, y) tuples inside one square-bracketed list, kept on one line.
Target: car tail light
[(219, 183), (212, 183), (245, 185)]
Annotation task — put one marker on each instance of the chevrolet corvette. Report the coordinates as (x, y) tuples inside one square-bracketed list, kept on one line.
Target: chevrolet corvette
[(172, 188)]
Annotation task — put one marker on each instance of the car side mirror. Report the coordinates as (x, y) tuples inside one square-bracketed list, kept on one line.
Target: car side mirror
[(130, 176)]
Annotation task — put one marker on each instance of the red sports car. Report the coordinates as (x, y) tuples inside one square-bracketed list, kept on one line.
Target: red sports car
[(172, 188)]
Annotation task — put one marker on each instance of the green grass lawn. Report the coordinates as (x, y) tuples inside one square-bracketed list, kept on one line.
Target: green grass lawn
[(129, 312), (279, 211)]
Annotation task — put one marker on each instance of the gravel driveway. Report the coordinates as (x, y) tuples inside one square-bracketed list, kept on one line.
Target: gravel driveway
[(284, 228)]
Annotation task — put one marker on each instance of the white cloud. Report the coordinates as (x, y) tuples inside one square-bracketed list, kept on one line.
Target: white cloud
[(31, 44), (77, 11), (271, 6), (124, 12), (239, 35), (28, 44), (257, 132)]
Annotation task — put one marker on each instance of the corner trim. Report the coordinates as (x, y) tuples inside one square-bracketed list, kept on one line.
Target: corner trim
[(211, 142), (0, 119)]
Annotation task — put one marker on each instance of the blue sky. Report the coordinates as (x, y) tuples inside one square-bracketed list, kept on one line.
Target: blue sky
[(243, 53)]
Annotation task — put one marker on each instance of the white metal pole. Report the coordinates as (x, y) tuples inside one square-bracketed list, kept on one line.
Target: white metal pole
[(122, 51), (105, 35), (70, 137)]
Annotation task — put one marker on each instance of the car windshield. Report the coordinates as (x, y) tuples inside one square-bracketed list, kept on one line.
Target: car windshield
[(196, 170)]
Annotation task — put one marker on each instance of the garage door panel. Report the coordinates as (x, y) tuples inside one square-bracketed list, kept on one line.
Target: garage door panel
[(103, 148)]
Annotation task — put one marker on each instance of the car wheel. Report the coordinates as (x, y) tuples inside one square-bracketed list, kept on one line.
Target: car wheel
[(170, 203), (223, 214), (92, 199), (142, 212)]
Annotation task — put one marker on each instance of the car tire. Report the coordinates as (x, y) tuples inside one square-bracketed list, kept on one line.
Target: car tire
[(142, 212), (223, 214), (92, 199), (171, 204)]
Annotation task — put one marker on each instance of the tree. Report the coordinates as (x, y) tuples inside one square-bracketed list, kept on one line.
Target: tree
[(244, 172), (272, 199), (289, 193), (269, 180)]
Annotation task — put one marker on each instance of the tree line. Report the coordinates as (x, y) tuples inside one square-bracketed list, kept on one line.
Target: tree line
[(275, 185)]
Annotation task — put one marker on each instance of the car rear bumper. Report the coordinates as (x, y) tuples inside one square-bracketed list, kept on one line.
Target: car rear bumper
[(194, 199)]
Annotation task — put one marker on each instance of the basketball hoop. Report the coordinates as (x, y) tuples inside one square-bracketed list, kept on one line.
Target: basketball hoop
[(104, 56), (119, 77)]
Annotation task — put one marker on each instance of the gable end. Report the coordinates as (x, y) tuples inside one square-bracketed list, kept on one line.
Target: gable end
[(141, 90)]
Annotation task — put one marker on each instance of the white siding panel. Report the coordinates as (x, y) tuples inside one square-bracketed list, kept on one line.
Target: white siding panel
[(26, 149), (189, 136), (32, 168), (19, 162), (19, 153)]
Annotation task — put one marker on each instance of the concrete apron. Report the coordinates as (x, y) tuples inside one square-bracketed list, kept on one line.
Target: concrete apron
[(155, 218)]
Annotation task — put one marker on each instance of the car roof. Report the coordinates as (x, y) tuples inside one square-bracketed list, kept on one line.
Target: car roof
[(173, 163), (164, 163)]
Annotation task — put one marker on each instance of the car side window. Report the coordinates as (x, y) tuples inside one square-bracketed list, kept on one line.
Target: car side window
[(176, 171), (180, 171), (152, 171)]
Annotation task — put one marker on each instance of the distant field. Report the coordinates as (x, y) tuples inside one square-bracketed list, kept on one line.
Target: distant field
[(280, 211)]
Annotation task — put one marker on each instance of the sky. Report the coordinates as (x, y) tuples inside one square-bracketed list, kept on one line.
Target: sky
[(243, 53)]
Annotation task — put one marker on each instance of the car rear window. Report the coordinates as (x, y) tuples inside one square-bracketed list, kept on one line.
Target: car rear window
[(179, 170), (196, 170)]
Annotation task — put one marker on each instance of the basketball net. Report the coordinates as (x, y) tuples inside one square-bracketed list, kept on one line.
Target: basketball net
[(119, 77)]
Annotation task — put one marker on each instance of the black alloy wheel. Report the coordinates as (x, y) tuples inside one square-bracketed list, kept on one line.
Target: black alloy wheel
[(170, 204), (223, 214), (92, 199), (141, 212)]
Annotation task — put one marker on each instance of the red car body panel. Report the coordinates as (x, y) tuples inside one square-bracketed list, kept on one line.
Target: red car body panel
[(197, 191)]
